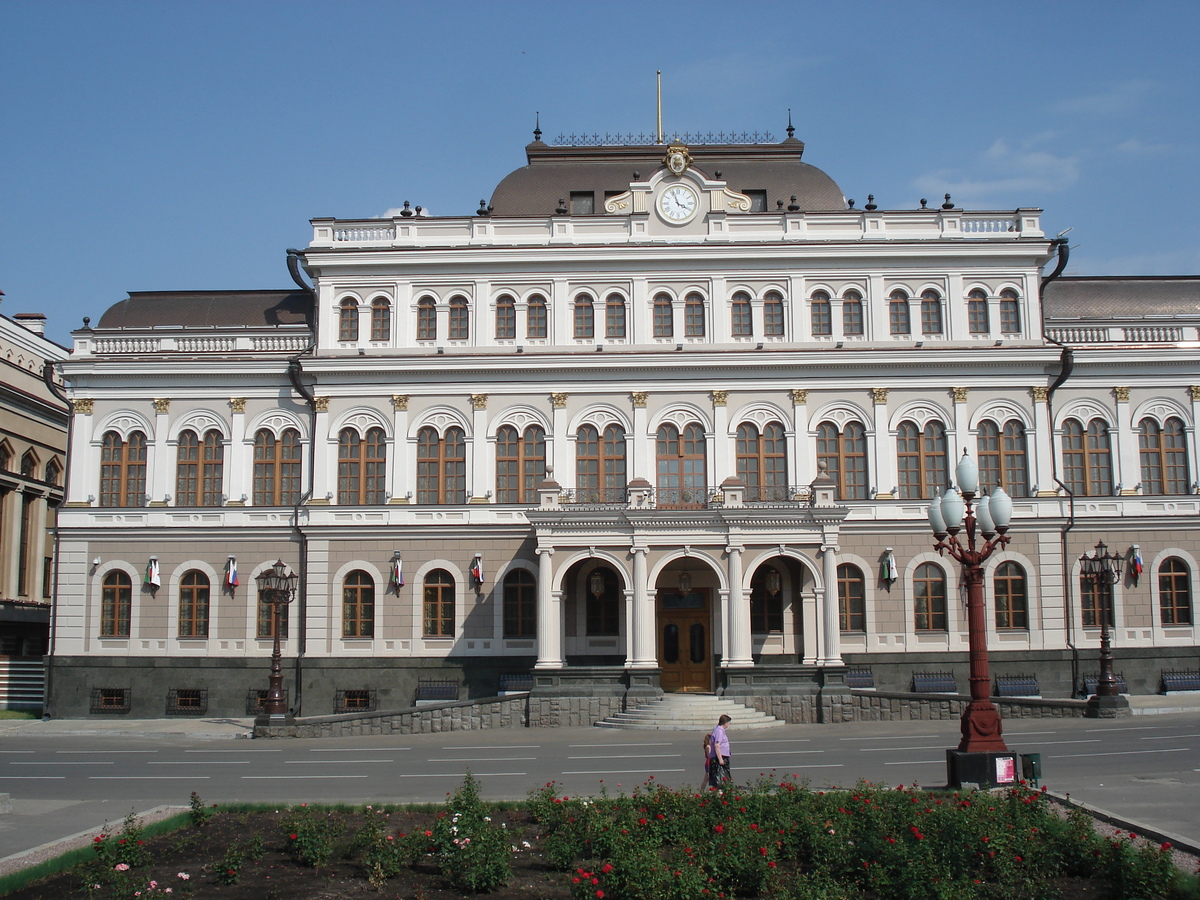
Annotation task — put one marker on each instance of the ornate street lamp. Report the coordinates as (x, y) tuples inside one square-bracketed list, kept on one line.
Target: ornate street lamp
[(982, 757), (1103, 570), (276, 586)]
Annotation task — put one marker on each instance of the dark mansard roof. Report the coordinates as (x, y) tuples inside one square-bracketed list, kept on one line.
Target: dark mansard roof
[(212, 309), (1122, 297)]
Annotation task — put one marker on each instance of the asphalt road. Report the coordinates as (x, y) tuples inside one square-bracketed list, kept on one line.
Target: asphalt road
[(1146, 768)]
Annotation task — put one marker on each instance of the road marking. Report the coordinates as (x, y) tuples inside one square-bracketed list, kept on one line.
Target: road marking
[(278, 777), (1056, 743), (145, 777), (892, 737), (917, 762), (633, 756), (894, 749), (501, 747), (487, 759), (616, 743), (102, 752), (622, 771), (465, 774), (1121, 753), (801, 741), (332, 762), (812, 766), (35, 777), (1028, 733), (63, 763), (192, 762), (1164, 737), (1132, 728), (245, 752), (741, 755), (18, 751), (344, 750)]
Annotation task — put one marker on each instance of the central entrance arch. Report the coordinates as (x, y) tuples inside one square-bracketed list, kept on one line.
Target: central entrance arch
[(685, 639)]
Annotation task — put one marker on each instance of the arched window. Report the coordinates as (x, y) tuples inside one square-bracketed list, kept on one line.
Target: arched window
[(54, 472), (520, 464), (898, 315), (852, 598), (845, 456), (922, 462), (460, 319), (821, 315), (123, 470), (5, 457), (614, 316), (766, 606), (535, 317), (438, 605), (1002, 457), (929, 598), (199, 469), (681, 470), (506, 318), (693, 316), (1087, 458), (271, 617), (741, 316), (585, 317), (277, 468), (362, 467), (1175, 592), (762, 461), (442, 466), (116, 602), (520, 604), (381, 319), (29, 464), (852, 314), (931, 312), (600, 464), (427, 319), (664, 316), (602, 609), (1012, 596), (1010, 312), (348, 320), (1164, 457), (193, 604), (977, 312), (773, 314), (358, 605)]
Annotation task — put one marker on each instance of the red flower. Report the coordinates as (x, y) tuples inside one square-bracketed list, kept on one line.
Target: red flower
[(1166, 845), (719, 829), (641, 821), (771, 864), (600, 894), (293, 835), (606, 868)]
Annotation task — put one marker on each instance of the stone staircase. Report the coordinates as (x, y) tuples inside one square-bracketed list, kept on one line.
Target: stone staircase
[(689, 712)]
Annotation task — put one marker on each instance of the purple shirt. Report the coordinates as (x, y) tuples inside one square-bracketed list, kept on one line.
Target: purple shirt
[(720, 743)]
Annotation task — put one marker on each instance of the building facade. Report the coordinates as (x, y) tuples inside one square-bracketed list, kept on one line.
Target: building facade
[(33, 441), (654, 418)]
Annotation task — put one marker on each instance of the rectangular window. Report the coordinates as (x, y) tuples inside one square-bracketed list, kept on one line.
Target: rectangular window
[(583, 203), (977, 316), (758, 199), (1010, 317), (187, 702)]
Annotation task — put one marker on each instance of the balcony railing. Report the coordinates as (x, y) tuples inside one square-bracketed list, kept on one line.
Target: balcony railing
[(707, 497)]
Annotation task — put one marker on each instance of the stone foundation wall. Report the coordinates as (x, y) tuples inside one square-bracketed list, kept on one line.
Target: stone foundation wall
[(888, 706), (466, 715)]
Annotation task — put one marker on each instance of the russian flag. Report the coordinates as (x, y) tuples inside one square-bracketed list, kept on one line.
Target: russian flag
[(397, 578), (477, 570), (1137, 563), (231, 575)]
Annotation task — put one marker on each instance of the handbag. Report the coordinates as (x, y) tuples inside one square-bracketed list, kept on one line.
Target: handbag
[(719, 773)]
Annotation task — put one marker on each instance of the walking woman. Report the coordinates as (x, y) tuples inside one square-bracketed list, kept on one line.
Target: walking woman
[(718, 768)]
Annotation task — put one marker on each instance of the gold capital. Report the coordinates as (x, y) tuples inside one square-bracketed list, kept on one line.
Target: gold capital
[(400, 402), (1195, 391), (479, 401), (321, 404), (799, 395), (1041, 393), (720, 398), (162, 405), (639, 399), (1122, 394), (237, 404), (559, 400), (879, 394), (960, 395), (83, 406)]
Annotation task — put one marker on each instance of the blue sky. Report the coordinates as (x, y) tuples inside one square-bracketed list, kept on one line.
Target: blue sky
[(185, 146)]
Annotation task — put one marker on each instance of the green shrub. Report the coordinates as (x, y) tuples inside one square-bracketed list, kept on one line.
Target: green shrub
[(312, 834), (472, 852)]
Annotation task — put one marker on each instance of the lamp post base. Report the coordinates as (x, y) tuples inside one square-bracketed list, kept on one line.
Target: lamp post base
[(987, 769), (285, 718), (1103, 707)]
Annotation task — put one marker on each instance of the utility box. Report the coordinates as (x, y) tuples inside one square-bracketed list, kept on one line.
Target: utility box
[(1031, 768)]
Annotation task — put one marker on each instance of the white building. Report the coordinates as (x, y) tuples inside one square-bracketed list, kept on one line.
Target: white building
[(678, 404)]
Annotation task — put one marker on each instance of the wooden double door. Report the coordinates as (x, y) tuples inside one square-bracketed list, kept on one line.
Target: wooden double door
[(685, 641)]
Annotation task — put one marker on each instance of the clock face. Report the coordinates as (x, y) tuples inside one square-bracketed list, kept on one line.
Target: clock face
[(677, 203)]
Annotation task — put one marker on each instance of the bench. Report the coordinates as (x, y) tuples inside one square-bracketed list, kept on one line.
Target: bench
[(1180, 680), (934, 683), (516, 682), (1091, 680), (1017, 686), (860, 678), (436, 690)]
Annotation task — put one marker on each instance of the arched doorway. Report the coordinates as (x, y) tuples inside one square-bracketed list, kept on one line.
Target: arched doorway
[(684, 632)]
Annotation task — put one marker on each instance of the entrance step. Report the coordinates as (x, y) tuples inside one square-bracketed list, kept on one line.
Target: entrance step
[(689, 712)]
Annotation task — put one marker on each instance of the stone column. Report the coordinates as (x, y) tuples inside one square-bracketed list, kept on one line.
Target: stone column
[(831, 629), (641, 455), (724, 462), (1043, 451), (558, 454), (84, 483), (324, 476), (801, 446), (239, 456), (960, 437), (158, 468), (1194, 449), (883, 465), (549, 615), (740, 646), (1128, 470), (479, 450), (642, 628), (398, 478)]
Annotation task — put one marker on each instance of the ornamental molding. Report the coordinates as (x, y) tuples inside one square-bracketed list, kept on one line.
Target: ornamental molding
[(1041, 393), (799, 396), (321, 404), (559, 401), (479, 401), (720, 398), (1000, 411), (83, 406), (276, 424), (960, 394), (400, 402), (879, 395), (162, 405), (237, 404), (1122, 394), (1195, 389), (734, 201), (200, 422), (639, 399)]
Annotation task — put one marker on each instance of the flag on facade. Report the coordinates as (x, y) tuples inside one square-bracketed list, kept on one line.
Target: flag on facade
[(1136, 568), (477, 570), (152, 577), (397, 578), (887, 569), (231, 575)]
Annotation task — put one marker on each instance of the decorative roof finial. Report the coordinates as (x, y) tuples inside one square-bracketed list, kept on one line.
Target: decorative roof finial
[(537, 126), (406, 211), (948, 204), (923, 202), (790, 130), (871, 204)]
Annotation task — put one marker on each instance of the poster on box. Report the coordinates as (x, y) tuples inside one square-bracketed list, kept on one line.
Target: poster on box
[(1006, 769)]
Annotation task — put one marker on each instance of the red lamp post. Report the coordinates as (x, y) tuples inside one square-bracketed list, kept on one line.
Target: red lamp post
[(978, 758), (276, 586)]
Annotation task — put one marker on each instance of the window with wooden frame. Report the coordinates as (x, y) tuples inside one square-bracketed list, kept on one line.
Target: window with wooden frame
[(277, 464), (362, 467), (821, 314), (520, 604), (614, 317), (978, 321), (116, 604), (1174, 592), (585, 317), (852, 598), (600, 464), (1087, 458), (682, 475), (199, 469), (193, 604), (852, 314), (923, 468), (603, 606), (931, 312), (1095, 601), (535, 317), (929, 598), (460, 319), (664, 316), (741, 315), (1002, 457), (766, 605), (520, 463), (1164, 456), (381, 319), (506, 318), (693, 316), (762, 461), (1011, 595), (845, 456), (427, 319), (270, 617), (438, 604), (773, 314), (1010, 312), (898, 314), (54, 472), (123, 470), (348, 320), (358, 605), (442, 466)]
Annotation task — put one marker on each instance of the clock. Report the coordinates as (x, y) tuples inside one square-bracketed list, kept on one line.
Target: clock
[(677, 203)]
